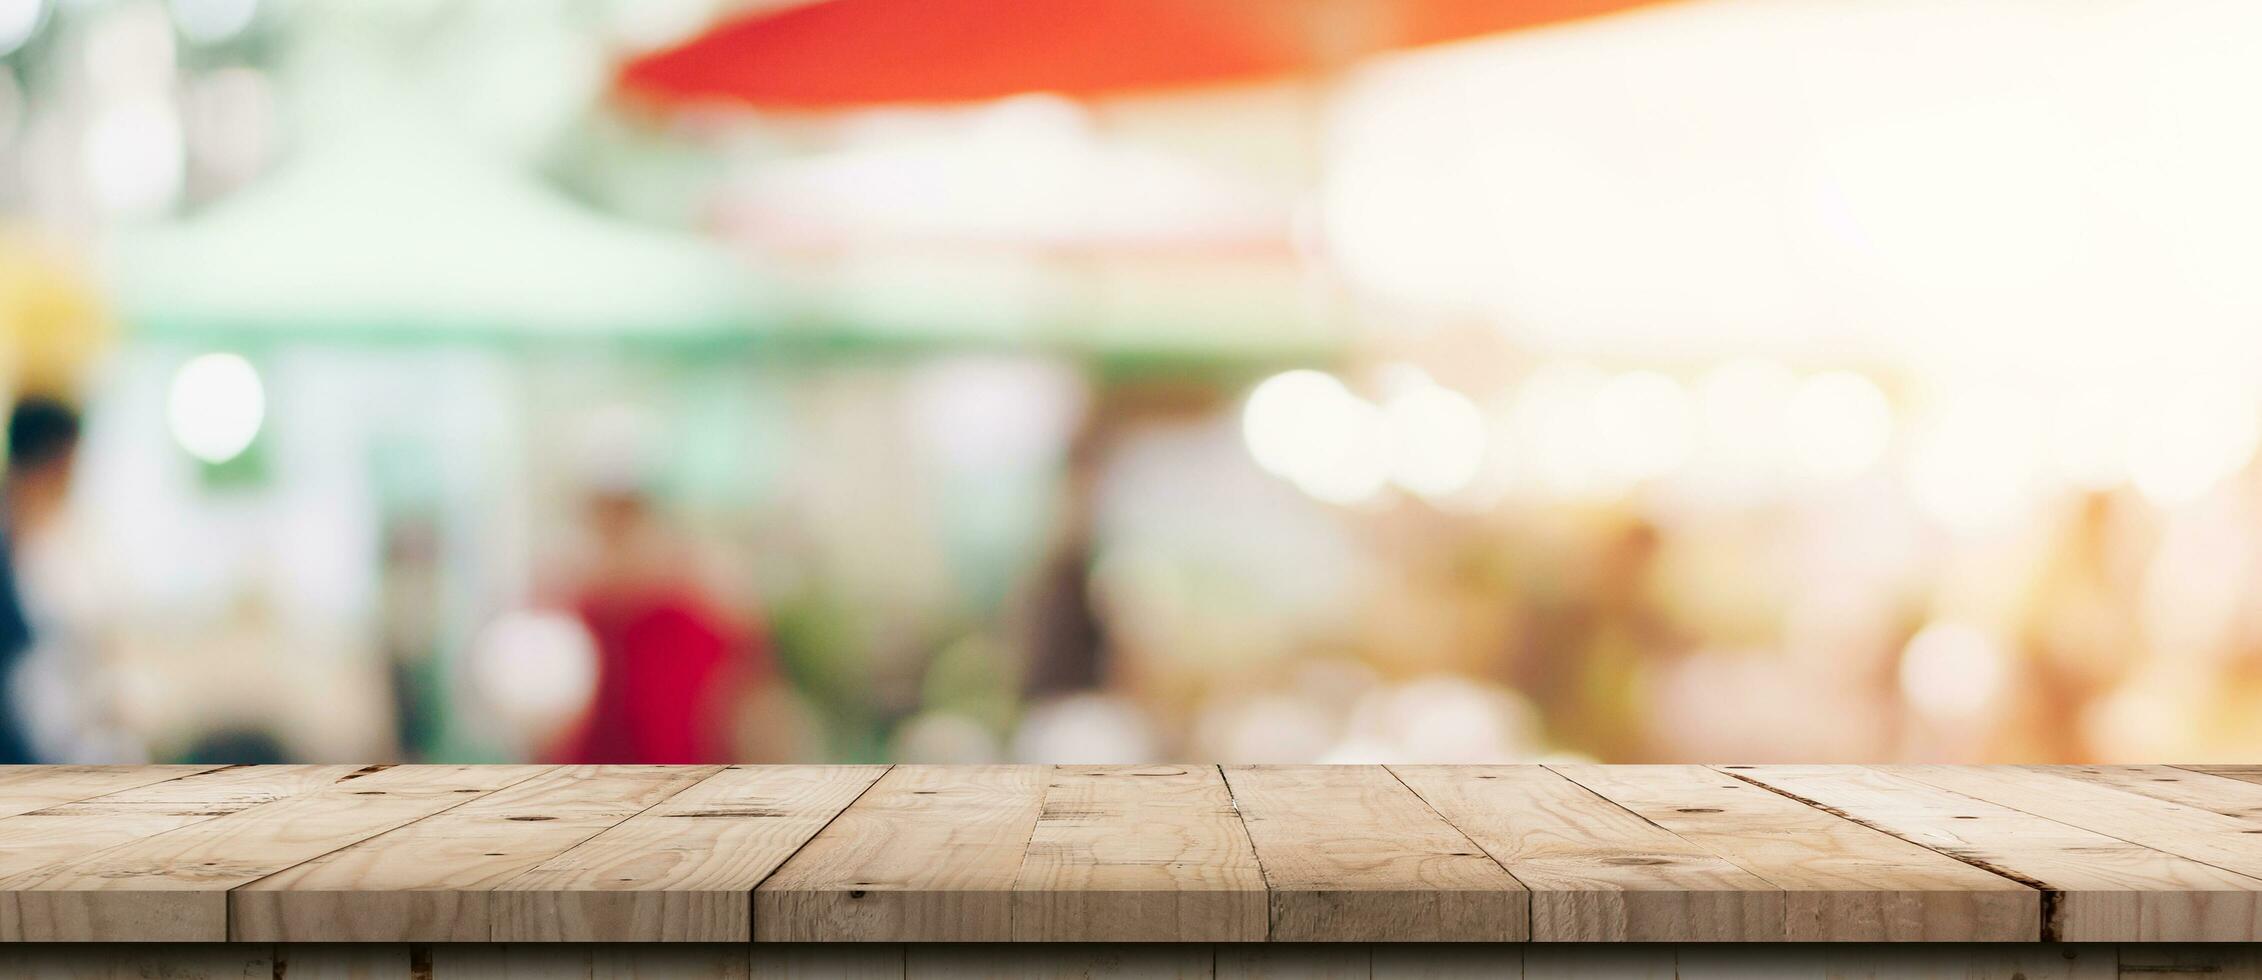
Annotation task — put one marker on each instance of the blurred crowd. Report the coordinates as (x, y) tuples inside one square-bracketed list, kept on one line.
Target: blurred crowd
[(385, 384)]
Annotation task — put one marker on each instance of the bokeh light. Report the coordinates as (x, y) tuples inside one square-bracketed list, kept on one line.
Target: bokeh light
[(1952, 671), (216, 406), (1841, 425)]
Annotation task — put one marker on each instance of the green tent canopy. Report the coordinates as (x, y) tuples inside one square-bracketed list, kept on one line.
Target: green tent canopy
[(386, 231)]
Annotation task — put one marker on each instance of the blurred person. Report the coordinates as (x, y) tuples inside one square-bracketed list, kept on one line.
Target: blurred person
[(1596, 639), (672, 669), (409, 599), (55, 698), (2081, 634)]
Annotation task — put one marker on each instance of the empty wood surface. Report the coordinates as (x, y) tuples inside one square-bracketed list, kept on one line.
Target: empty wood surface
[(1101, 855), (24, 789), (174, 885), (2228, 842), (1841, 881), (1125, 852), (684, 870), (2207, 791), (2245, 773), (1596, 870), (429, 881), (928, 854), (1350, 854), (2101, 887)]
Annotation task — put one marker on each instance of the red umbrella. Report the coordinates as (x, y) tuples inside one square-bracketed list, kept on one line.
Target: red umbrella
[(843, 53)]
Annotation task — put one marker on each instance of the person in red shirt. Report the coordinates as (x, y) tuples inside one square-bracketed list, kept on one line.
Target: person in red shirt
[(671, 667)]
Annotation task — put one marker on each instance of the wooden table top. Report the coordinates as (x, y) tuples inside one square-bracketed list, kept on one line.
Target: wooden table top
[(1191, 853)]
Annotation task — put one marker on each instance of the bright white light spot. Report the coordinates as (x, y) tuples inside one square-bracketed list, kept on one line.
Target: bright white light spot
[(1742, 405), (2090, 429), (216, 406), (536, 668), (18, 20), (213, 21), (1437, 439), (1742, 408), (134, 157), (1554, 428), (1840, 425), (1951, 670), (1306, 427), (2191, 437), (1276, 419), (1976, 463), (1087, 728), (1645, 425)]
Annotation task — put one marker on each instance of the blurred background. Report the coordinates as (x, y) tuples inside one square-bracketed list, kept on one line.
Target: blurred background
[(970, 380)]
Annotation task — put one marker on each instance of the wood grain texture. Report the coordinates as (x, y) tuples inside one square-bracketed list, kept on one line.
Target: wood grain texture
[(684, 870), (1596, 871), (1130, 852), (429, 881), (705, 858), (24, 789), (2216, 794), (928, 854), (2230, 843), (41, 843), (2243, 773), (173, 885), (2102, 888), (1842, 881), (1350, 855)]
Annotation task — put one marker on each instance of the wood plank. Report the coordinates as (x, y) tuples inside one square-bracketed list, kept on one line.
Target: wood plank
[(45, 844), (40, 843), (429, 881), (1596, 871), (928, 854), (2244, 773), (2226, 842), (1138, 853), (174, 886), (684, 870), (1842, 881), (24, 789), (2101, 888), (1350, 854), (2206, 791)]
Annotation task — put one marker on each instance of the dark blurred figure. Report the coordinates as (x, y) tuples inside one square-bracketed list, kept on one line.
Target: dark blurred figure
[(235, 747), (43, 438), (671, 669)]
